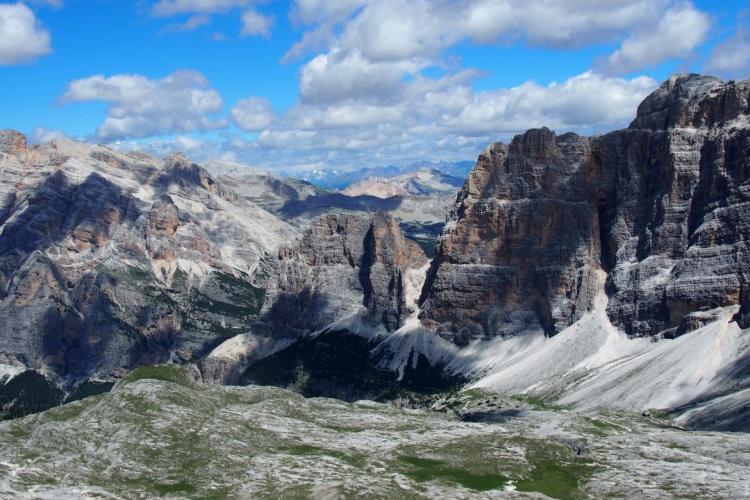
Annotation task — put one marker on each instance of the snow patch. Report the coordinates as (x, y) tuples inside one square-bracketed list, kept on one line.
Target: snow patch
[(7, 372)]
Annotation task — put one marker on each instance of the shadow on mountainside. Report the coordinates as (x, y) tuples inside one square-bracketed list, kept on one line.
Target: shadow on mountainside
[(340, 364)]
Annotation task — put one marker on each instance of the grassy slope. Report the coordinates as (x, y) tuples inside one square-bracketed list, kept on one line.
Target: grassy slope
[(157, 433)]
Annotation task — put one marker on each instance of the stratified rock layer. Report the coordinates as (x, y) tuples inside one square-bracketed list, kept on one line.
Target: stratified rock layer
[(343, 263), (662, 207), (110, 260)]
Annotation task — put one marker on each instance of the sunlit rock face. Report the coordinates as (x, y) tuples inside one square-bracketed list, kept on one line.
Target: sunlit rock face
[(663, 207), (111, 260)]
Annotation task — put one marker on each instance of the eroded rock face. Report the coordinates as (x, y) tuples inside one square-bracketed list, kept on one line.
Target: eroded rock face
[(12, 142), (110, 260), (164, 218), (342, 263), (662, 207), (521, 250)]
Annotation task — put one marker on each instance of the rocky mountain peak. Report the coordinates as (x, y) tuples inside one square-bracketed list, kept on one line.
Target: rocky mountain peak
[(181, 169), (542, 223), (12, 142), (693, 101), (177, 160), (537, 144)]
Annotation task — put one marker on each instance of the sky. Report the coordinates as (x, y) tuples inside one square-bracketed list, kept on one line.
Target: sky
[(341, 84)]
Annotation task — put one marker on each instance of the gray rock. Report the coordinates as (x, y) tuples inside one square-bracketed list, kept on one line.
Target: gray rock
[(12, 142), (663, 208), (109, 261), (343, 263)]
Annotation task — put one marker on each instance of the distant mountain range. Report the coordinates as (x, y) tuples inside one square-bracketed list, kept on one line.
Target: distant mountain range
[(331, 178)]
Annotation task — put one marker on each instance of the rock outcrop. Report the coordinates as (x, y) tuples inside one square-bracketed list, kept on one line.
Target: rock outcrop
[(662, 207), (12, 142), (342, 264)]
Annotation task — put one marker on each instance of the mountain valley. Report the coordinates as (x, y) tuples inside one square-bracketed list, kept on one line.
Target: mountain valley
[(571, 319)]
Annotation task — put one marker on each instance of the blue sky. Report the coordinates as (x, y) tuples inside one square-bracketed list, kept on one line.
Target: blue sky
[(303, 84)]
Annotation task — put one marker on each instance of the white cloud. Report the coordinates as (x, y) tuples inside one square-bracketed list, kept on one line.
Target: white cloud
[(21, 37), (382, 42), (366, 93), (252, 114), (732, 57), (432, 116), (431, 119), (587, 102), (338, 76), (193, 22), (143, 107), (680, 30), (43, 135), (256, 24), (393, 29), (325, 11), (558, 24)]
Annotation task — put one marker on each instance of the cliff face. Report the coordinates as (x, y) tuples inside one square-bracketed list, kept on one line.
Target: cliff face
[(111, 260), (663, 208), (342, 263)]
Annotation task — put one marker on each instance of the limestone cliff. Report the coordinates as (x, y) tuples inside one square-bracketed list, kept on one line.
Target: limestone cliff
[(663, 207), (343, 263)]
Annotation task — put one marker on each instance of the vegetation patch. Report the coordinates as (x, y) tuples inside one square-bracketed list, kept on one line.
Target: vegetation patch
[(166, 373), (89, 388), (425, 469), (28, 392), (339, 364), (555, 471)]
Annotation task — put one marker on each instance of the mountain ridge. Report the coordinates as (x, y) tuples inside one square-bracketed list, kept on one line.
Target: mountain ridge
[(590, 246)]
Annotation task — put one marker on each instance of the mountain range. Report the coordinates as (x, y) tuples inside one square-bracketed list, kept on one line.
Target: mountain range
[(606, 271)]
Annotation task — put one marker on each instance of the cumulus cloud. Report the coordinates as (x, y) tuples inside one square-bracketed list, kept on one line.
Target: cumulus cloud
[(432, 119), (140, 107), (732, 57), (388, 29), (43, 135), (365, 93), (447, 111), (252, 114), (21, 36), (586, 102), (337, 76), (368, 90), (373, 45), (256, 24), (678, 33)]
